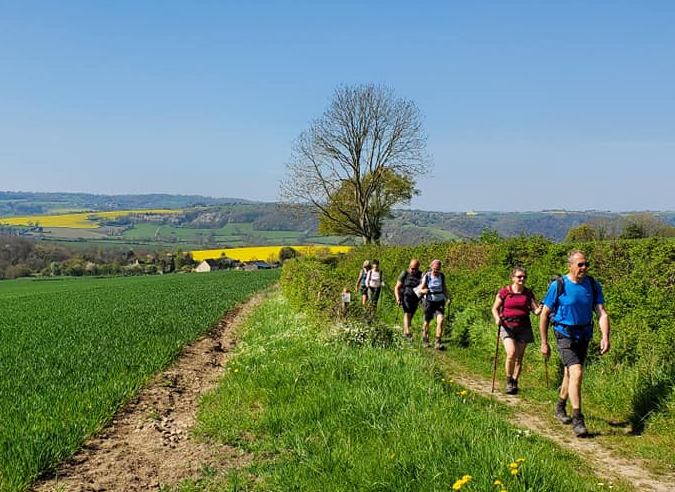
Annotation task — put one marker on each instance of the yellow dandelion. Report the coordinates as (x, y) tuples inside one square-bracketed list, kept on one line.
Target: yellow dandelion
[(236, 370), (514, 472), (520, 460), (466, 478), (457, 485), (452, 380), (393, 455), (497, 482), (503, 490), (442, 380), (513, 465)]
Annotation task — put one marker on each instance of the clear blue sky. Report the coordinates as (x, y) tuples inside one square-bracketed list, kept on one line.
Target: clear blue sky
[(528, 105)]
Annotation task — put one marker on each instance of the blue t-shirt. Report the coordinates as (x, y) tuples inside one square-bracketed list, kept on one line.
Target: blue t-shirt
[(575, 307)]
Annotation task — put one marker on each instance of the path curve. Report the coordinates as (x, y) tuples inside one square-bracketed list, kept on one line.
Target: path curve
[(606, 464)]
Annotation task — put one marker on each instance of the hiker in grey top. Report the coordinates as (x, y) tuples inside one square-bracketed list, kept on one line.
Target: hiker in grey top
[(570, 302), (435, 297), (361, 282)]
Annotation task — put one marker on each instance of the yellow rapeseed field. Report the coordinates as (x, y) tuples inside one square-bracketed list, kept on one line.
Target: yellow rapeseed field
[(81, 220), (262, 252)]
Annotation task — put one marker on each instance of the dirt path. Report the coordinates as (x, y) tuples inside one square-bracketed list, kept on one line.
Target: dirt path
[(147, 446), (604, 463)]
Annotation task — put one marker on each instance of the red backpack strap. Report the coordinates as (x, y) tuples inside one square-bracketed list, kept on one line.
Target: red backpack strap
[(509, 293)]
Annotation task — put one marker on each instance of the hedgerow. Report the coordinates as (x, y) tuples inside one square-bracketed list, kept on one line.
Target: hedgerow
[(638, 279)]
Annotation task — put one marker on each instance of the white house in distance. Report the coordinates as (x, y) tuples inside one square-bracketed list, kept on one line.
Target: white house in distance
[(208, 265)]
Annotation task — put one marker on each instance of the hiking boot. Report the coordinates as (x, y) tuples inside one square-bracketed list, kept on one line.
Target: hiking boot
[(561, 415), (511, 386), (438, 345), (425, 342), (408, 337), (579, 426)]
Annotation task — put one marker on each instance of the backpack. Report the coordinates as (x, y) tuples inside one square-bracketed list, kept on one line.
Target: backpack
[(431, 293), (410, 281), (364, 276), (509, 293), (560, 290)]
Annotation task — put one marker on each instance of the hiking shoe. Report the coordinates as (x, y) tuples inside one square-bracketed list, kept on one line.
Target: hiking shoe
[(425, 342), (438, 345), (511, 388), (408, 337), (561, 415), (579, 426)]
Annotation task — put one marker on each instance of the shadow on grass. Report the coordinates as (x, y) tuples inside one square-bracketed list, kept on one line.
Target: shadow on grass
[(651, 396)]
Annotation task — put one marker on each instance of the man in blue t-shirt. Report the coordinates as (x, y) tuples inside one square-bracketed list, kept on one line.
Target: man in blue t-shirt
[(571, 315)]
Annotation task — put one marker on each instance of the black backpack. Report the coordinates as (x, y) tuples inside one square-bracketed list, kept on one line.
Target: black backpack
[(410, 281), (560, 290)]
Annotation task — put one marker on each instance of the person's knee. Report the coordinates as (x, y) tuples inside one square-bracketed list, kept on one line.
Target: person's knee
[(575, 371)]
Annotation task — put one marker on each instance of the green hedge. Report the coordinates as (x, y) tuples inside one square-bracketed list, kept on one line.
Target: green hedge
[(638, 279)]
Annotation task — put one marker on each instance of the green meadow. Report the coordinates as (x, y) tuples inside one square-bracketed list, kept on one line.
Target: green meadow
[(73, 351)]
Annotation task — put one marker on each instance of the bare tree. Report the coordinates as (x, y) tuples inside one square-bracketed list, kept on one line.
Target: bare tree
[(358, 160)]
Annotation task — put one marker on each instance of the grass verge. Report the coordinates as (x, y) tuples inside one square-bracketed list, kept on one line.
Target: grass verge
[(317, 414)]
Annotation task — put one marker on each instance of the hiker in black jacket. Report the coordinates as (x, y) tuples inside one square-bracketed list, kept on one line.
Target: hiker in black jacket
[(406, 297)]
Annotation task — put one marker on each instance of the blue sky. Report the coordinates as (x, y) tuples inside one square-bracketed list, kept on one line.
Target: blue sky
[(527, 105)]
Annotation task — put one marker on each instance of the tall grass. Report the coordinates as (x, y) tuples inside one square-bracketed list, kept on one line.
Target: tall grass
[(319, 414), (72, 351)]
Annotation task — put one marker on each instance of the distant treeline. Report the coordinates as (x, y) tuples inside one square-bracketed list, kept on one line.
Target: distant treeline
[(404, 227), (29, 203), (21, 257)]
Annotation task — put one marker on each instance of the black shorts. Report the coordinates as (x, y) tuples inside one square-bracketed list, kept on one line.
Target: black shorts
[(433, 308), (571, 350), (521, 334), (410, 302), (364, 290)]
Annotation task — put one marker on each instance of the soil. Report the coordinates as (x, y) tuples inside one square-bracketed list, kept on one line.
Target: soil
[(148, 445)]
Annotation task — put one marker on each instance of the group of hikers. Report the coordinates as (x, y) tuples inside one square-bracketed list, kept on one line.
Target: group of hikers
[(568, 306)]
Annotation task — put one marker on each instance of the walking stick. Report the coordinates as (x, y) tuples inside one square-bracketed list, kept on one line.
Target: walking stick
[(546, 371), (494, 366)]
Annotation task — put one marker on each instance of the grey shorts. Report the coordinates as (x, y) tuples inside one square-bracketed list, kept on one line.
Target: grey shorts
[(522, 334), (571, 351)]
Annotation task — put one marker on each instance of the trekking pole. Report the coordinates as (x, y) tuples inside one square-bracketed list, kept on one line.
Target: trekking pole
[(546, 371), (494, 366)]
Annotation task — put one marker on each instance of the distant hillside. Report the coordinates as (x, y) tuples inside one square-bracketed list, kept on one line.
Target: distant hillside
[(218, 222), (29, 203)]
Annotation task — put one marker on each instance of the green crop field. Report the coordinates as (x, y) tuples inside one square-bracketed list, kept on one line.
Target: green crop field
[(73, 351)]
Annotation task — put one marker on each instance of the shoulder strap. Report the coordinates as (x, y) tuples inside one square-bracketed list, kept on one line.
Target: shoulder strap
[(560, 289), (594, 288)]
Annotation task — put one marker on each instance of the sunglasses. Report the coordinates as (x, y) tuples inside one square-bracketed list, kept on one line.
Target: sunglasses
[(520, 276), (583, 264)]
